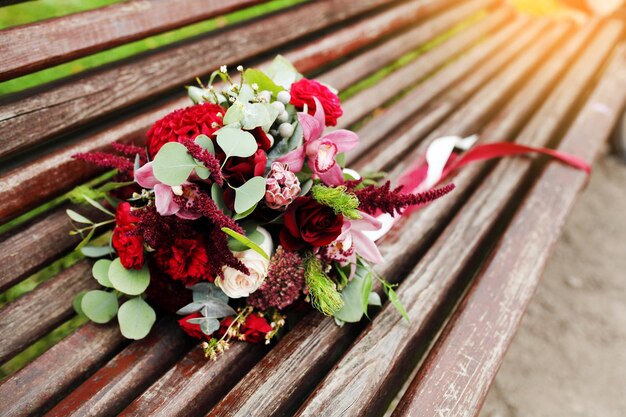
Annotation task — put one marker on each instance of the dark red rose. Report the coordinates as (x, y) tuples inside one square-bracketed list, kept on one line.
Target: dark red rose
[(165, 293), (303, 91), (261, 138), (309, 222), (193, 329), (187, 123), (186, 260), (127, 244), (253, 329)]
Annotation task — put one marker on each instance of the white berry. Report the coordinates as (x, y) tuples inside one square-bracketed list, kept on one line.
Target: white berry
[(284, 97), (265, 96), (282, 117), (279, 106), (285, 130)]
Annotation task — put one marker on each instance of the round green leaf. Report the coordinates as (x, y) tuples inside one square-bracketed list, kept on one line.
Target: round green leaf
[(128, 281), (136, 318), (173, 164), (99, 306), (100, 272), (249, 194), (77, 301), (205, 142), (236, 142)]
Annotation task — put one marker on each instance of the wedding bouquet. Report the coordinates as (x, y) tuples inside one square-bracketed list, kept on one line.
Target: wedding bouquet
[(237, 213)]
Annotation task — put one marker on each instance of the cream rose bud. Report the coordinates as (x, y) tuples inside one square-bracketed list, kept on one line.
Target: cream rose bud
[(236, 284)]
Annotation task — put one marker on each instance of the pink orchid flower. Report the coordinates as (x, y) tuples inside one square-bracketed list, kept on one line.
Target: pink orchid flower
[(319, 149), (164, 194), (363, 245)]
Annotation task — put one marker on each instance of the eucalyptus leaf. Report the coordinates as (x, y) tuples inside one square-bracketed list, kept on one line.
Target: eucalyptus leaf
[(190, 308), (207, 325), (76, 303), (282, 72), (99, 306), (306, 187), (205, 290), (374, 299), (128, 281), (97, 205), (173, 164), (255, 76), (217, 195), (246, 94), (245, 241), (257, 114), (353, 308), (202, 172), (100, 271), (78, 218), (136, 318), (96, 251), (245, 214), (234, 114), (205, 142), (249, 194), (236, 142)]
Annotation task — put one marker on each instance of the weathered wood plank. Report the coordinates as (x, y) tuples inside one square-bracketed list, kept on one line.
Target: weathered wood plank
[(36, 119), (33, 246), (56, 172), (39, 385), (458, 372), (128, 374), (384, 353), (30, 317), (274, 392), (195, 383), (28, 48)]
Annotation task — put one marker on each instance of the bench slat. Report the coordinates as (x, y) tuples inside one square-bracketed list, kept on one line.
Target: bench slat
[(35, 120), (128, 374), (36, 313), (28, 48), (39, 386), (57, 172), (261, 388), (374, 368), (467, 356)]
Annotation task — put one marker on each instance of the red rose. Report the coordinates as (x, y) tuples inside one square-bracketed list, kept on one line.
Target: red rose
[(303, 91), (238, 170), (309, 222), (186, 260), (253, 329), (261, 138), (129, 246), (186, 123), (193, 329)]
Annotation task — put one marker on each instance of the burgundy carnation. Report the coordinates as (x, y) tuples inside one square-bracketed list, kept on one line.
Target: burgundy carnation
[(186, 260), (127, 243), (303, 92), (187, 123), (309, 222)]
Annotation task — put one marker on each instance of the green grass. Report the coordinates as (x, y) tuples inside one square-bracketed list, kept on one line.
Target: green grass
[(42, 9)]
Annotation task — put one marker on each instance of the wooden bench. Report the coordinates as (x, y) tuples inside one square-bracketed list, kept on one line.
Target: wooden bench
[(467, 265)]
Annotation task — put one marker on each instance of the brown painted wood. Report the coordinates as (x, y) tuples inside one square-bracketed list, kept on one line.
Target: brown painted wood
[(36, 119), (416, 71), (128, 374), (194, 384), (373, 369), (54, 173), (35, 314), (38, 386), (274, 391), (458, 372), (28, 48), (33, 246), (375, 58)]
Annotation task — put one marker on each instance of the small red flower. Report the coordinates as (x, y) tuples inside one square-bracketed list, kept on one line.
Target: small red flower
[(303, 91), (187, 123), (253, 329), (309, 222), (129, 246), (186, 260), (193, 329)]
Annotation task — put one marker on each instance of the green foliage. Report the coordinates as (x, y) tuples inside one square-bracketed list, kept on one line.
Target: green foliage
[(173, 164), (99, 306), (249, 194), (100, 271), (128, 281), (338, 199), (322, 290), (255, 76), (236, 142), (246, 242), (136, 318), (282, 72), (357, 296)]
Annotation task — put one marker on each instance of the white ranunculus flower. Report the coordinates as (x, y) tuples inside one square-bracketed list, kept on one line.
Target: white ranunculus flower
[(236, 284)]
